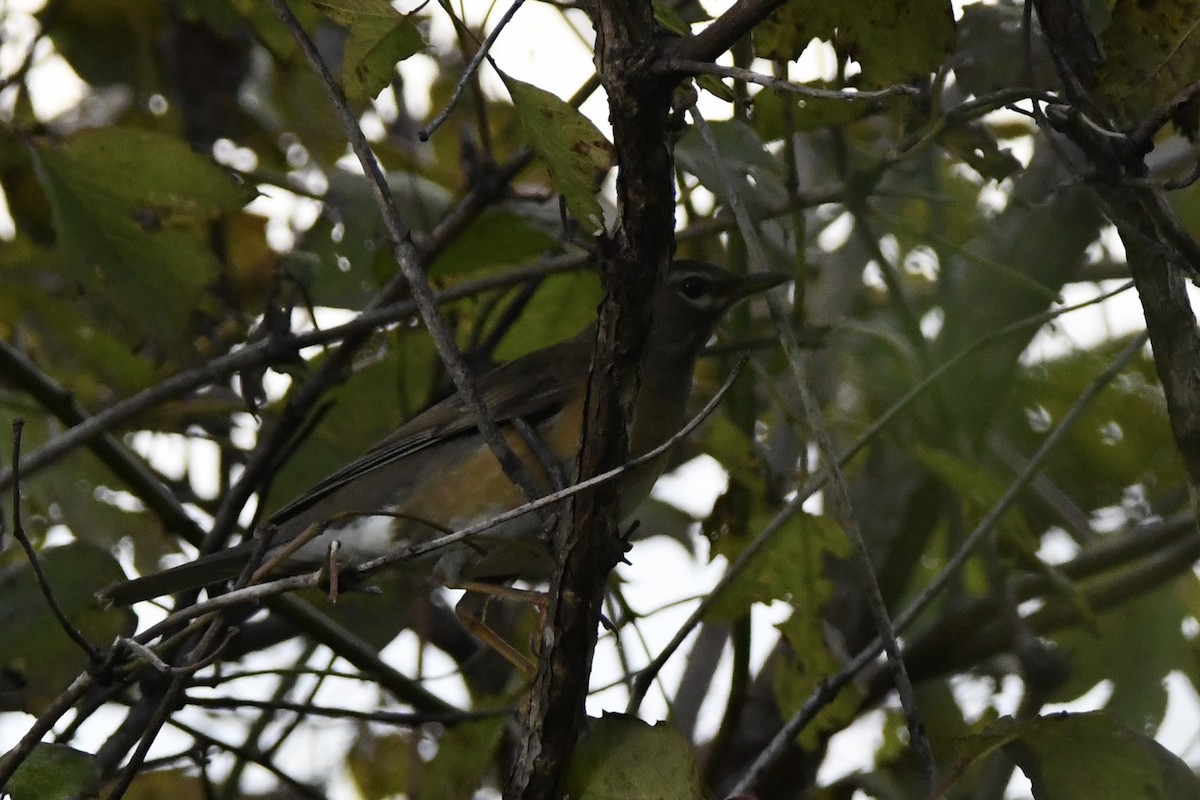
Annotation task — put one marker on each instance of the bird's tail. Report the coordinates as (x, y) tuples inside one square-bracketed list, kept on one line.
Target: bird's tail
[(220, 566)]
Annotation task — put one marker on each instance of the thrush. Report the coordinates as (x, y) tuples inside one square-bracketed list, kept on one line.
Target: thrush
[(435, 474)]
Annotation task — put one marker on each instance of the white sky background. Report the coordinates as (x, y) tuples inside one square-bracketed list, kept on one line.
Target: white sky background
[(539, 47)]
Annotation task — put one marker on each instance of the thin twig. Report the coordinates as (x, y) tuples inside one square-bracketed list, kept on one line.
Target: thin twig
[(10, 761), (422, 548), (198, 655), (408, 718), (144, 482), (257, 592), (274, 350), (49, 16), (34, 562), (149, 656), (409, 262), (673, 65), (238, 597), (355, 650), (301, 789), (818, 479), (257, 730), (233, 675), (830, 688), (828, 451), (468, 73)]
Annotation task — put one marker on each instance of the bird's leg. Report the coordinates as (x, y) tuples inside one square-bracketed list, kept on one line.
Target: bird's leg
[(531, 596), (470, 611), (627, 540), (285, 552), (334, 572)]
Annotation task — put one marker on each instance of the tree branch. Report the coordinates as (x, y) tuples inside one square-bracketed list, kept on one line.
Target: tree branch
[(634, 262), (723, 32), (1159, 251)]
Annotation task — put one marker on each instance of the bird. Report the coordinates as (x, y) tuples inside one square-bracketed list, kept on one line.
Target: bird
[(435, 474)]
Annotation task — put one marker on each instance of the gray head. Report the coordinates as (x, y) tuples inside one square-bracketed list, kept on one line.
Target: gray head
[(693, 299)]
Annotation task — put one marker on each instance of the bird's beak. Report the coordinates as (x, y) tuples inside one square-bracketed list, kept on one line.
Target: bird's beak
[(757, 282)]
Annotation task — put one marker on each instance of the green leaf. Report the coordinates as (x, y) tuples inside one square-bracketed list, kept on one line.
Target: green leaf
[(1084, 757), (372, 54), (714, 86), (496, 237), (32, 644), (573, 149), (978, 491), (337, 256), (105, 41), (1123, 438), (379, 765), (801, 672), (624, 758), (293, 96), (790, 566), (54, 772), (152, 173), (1152, 52), (976, 145), (893, 40), (1139, 698), (132, 210), (379, 38), (351, 12), (565, 304), (72, 493), (777, 114), (755, 171), (464, 754), (226, 17), (669, 18)]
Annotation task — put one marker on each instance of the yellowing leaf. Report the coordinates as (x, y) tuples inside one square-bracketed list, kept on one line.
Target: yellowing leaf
[(573, 149), (379, 765)]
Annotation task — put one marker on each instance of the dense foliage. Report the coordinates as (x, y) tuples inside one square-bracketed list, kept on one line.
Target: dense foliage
[(202, 313)]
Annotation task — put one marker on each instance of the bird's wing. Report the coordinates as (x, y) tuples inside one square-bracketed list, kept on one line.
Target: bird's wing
[(532, 388)]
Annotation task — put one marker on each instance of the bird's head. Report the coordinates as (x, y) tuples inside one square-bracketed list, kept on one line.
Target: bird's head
[(692, 301)]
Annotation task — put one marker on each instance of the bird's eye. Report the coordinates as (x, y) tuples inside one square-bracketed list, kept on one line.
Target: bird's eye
[(693, 287)]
